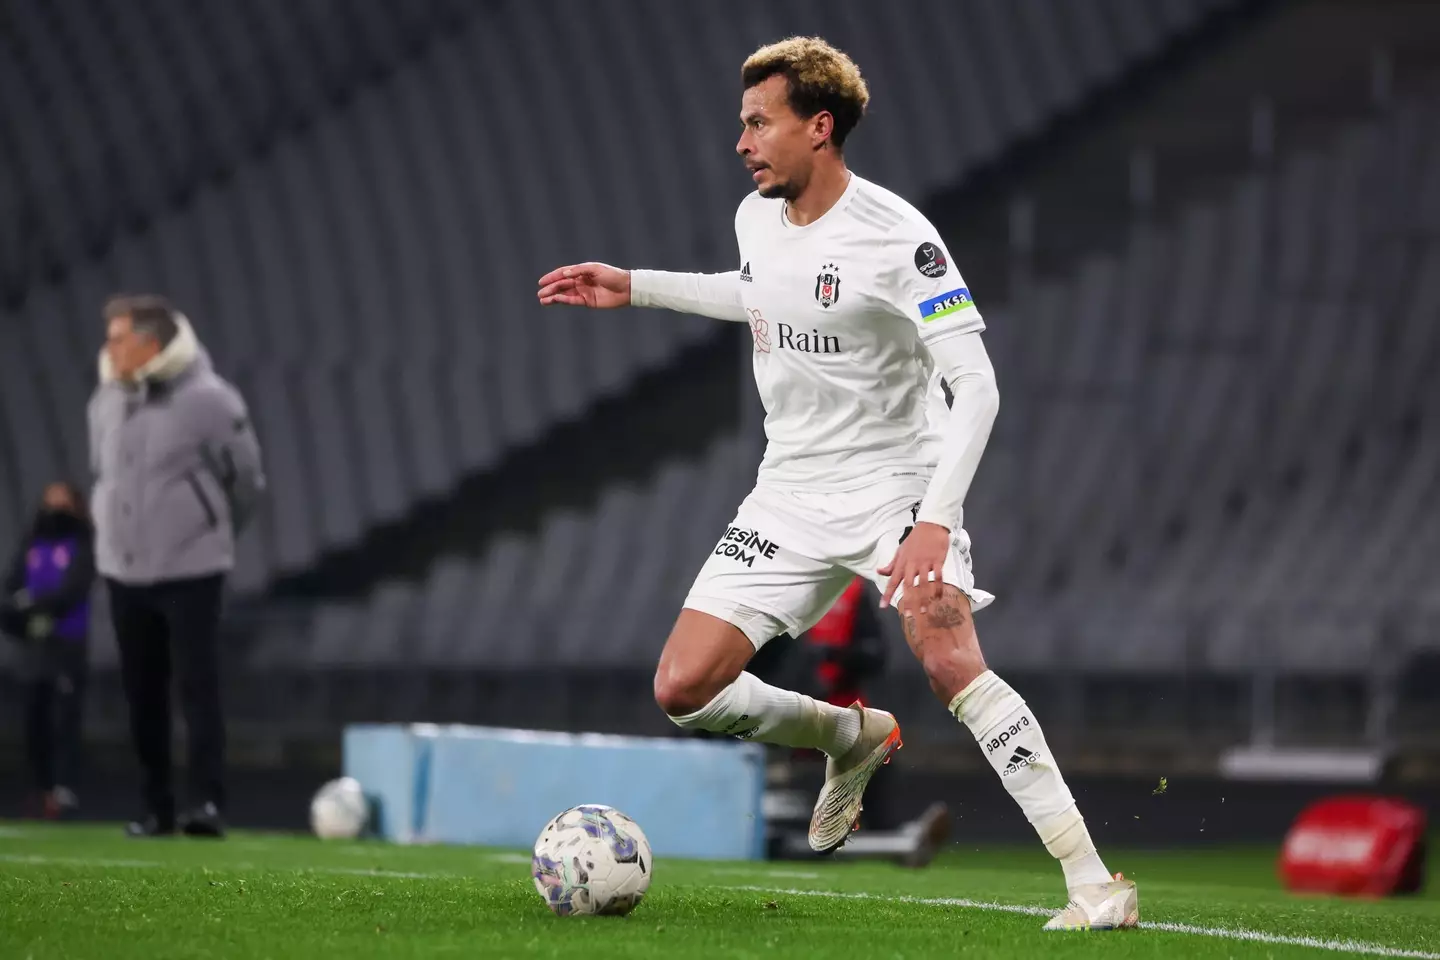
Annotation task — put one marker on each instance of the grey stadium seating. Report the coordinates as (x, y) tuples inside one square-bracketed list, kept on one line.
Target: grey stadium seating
[(1218, 454), (110, 113), (601, 575), (352, 200), (1175, 484)]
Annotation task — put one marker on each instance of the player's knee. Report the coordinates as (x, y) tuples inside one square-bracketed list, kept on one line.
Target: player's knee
[(944, 641), (950, 670), (680, 693), (703, 656)]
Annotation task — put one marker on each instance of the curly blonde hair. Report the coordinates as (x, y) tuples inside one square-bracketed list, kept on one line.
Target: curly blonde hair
[(819, 77)]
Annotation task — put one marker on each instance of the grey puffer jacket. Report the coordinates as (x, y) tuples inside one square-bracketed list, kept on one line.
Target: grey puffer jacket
[(177, 467)]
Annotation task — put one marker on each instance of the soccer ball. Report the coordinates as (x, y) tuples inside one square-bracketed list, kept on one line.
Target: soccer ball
[(339, 810), (592, 859)]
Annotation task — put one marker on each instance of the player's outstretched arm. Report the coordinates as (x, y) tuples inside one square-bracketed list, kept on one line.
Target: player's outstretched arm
[(715, 295), (596, 285), (600, 285)]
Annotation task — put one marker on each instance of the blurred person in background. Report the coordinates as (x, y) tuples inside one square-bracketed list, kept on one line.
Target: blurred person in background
[(46, 608), (178, 471), (836, 660)]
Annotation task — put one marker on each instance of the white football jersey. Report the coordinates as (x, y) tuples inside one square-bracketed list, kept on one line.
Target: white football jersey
[(840, 311)]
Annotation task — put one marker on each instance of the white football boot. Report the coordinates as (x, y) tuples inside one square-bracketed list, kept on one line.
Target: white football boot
[(837, 809), (1100, 906)]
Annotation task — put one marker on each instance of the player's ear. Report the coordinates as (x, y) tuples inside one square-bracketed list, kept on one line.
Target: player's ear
[(822, 128)]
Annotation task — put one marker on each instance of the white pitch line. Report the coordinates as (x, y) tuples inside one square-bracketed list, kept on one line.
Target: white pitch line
[(1224, 933), (515, 858)]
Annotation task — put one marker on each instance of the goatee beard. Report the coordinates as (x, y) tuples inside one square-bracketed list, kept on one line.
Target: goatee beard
[(778, 191)]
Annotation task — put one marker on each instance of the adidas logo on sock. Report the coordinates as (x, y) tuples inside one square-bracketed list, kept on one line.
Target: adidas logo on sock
[(745, 272), (1020, 758)]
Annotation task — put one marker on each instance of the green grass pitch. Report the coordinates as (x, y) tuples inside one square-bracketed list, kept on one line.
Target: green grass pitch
[(86, 892)]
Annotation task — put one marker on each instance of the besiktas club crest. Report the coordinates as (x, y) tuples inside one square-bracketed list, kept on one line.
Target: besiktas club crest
[(827, 285)]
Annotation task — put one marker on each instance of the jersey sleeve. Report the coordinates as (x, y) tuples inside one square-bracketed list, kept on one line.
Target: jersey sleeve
[(921, 284), (715, 295)]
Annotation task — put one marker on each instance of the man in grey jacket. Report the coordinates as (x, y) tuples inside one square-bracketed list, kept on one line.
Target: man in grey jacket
[(177, 470)]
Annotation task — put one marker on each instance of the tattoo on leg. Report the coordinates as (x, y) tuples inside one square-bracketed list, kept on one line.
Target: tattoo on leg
[(907, 622), (945, 615)]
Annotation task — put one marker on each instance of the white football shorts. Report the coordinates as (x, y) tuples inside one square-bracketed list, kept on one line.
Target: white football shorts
[(789, 554)]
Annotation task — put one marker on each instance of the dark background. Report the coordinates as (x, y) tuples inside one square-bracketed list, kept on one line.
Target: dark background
[(1205, 235)]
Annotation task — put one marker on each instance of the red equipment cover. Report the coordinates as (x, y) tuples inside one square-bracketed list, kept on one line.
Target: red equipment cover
[(1364, 846)]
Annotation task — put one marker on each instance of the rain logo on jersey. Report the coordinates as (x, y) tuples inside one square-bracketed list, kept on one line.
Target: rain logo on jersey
[(827, 285), (946, 304)]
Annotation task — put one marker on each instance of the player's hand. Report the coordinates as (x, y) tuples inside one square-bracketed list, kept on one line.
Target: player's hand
[(919, 565), (596, 285)]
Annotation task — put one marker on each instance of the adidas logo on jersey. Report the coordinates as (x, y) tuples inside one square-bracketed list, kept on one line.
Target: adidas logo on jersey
[(1020, 758), (745, 272)]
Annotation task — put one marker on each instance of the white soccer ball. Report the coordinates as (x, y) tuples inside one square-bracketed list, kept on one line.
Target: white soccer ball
[(592, 859), (339, 810)]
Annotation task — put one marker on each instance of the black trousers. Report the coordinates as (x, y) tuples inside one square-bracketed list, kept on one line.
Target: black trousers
[(54, 692), (167, 630)]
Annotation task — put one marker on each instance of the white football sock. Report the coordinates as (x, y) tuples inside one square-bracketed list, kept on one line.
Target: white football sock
[(753, 710), (1011, 738)]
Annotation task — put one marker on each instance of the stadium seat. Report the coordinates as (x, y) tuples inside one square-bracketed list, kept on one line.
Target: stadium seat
[(139, 111), (326, 202), (1196, 438)]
